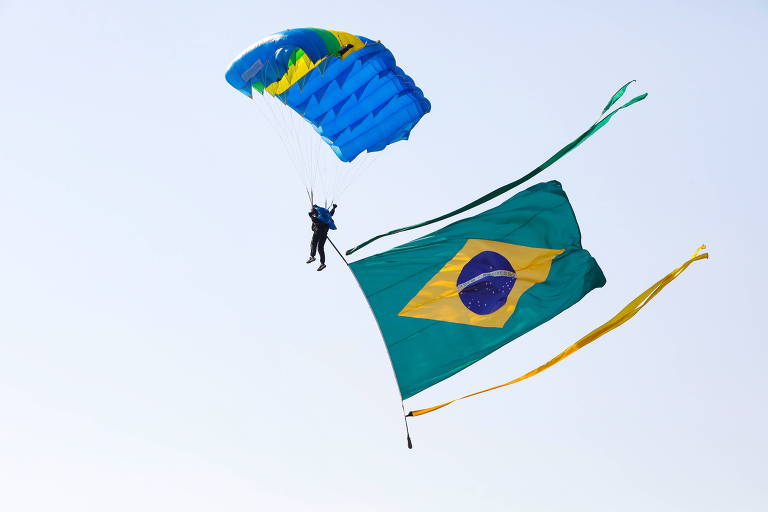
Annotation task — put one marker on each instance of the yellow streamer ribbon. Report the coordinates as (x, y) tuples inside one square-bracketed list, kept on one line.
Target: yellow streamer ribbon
[(622, 316)]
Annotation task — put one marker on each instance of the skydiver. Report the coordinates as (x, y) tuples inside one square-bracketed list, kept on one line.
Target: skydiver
[(322, 221)]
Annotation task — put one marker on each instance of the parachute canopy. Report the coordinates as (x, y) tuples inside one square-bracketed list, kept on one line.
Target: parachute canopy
[(347, 87)]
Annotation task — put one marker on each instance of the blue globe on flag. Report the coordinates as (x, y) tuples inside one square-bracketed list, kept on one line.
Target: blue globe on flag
[(485, 282)]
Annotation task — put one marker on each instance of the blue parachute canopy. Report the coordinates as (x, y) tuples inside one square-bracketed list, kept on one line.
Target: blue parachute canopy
[(347, 87)]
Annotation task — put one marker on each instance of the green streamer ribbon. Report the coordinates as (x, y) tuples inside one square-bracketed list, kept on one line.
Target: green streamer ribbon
[(617, 96), (509, 186)]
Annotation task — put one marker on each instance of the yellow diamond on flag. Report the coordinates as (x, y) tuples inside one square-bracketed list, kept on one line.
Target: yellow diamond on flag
[(482, 283)]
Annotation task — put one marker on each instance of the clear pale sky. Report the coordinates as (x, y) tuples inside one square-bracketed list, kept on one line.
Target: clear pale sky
[(163, 346)]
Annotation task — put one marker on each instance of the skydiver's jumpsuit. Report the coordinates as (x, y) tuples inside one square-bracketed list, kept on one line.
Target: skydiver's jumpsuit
[(319, 235)]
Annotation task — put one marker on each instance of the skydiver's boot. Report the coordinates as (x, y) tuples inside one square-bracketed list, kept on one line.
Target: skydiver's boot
[(321, 267), (311, 259)]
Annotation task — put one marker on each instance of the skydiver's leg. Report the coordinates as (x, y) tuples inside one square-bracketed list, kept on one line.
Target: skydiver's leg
[(321, 246), (313, 247)]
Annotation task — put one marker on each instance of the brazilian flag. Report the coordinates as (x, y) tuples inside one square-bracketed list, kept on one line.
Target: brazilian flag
[(450, 298)]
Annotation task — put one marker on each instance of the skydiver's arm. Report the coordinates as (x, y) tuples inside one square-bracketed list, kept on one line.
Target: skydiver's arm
[(333, 210)]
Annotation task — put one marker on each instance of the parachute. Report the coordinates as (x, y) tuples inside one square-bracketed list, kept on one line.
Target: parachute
[(348, 88)]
